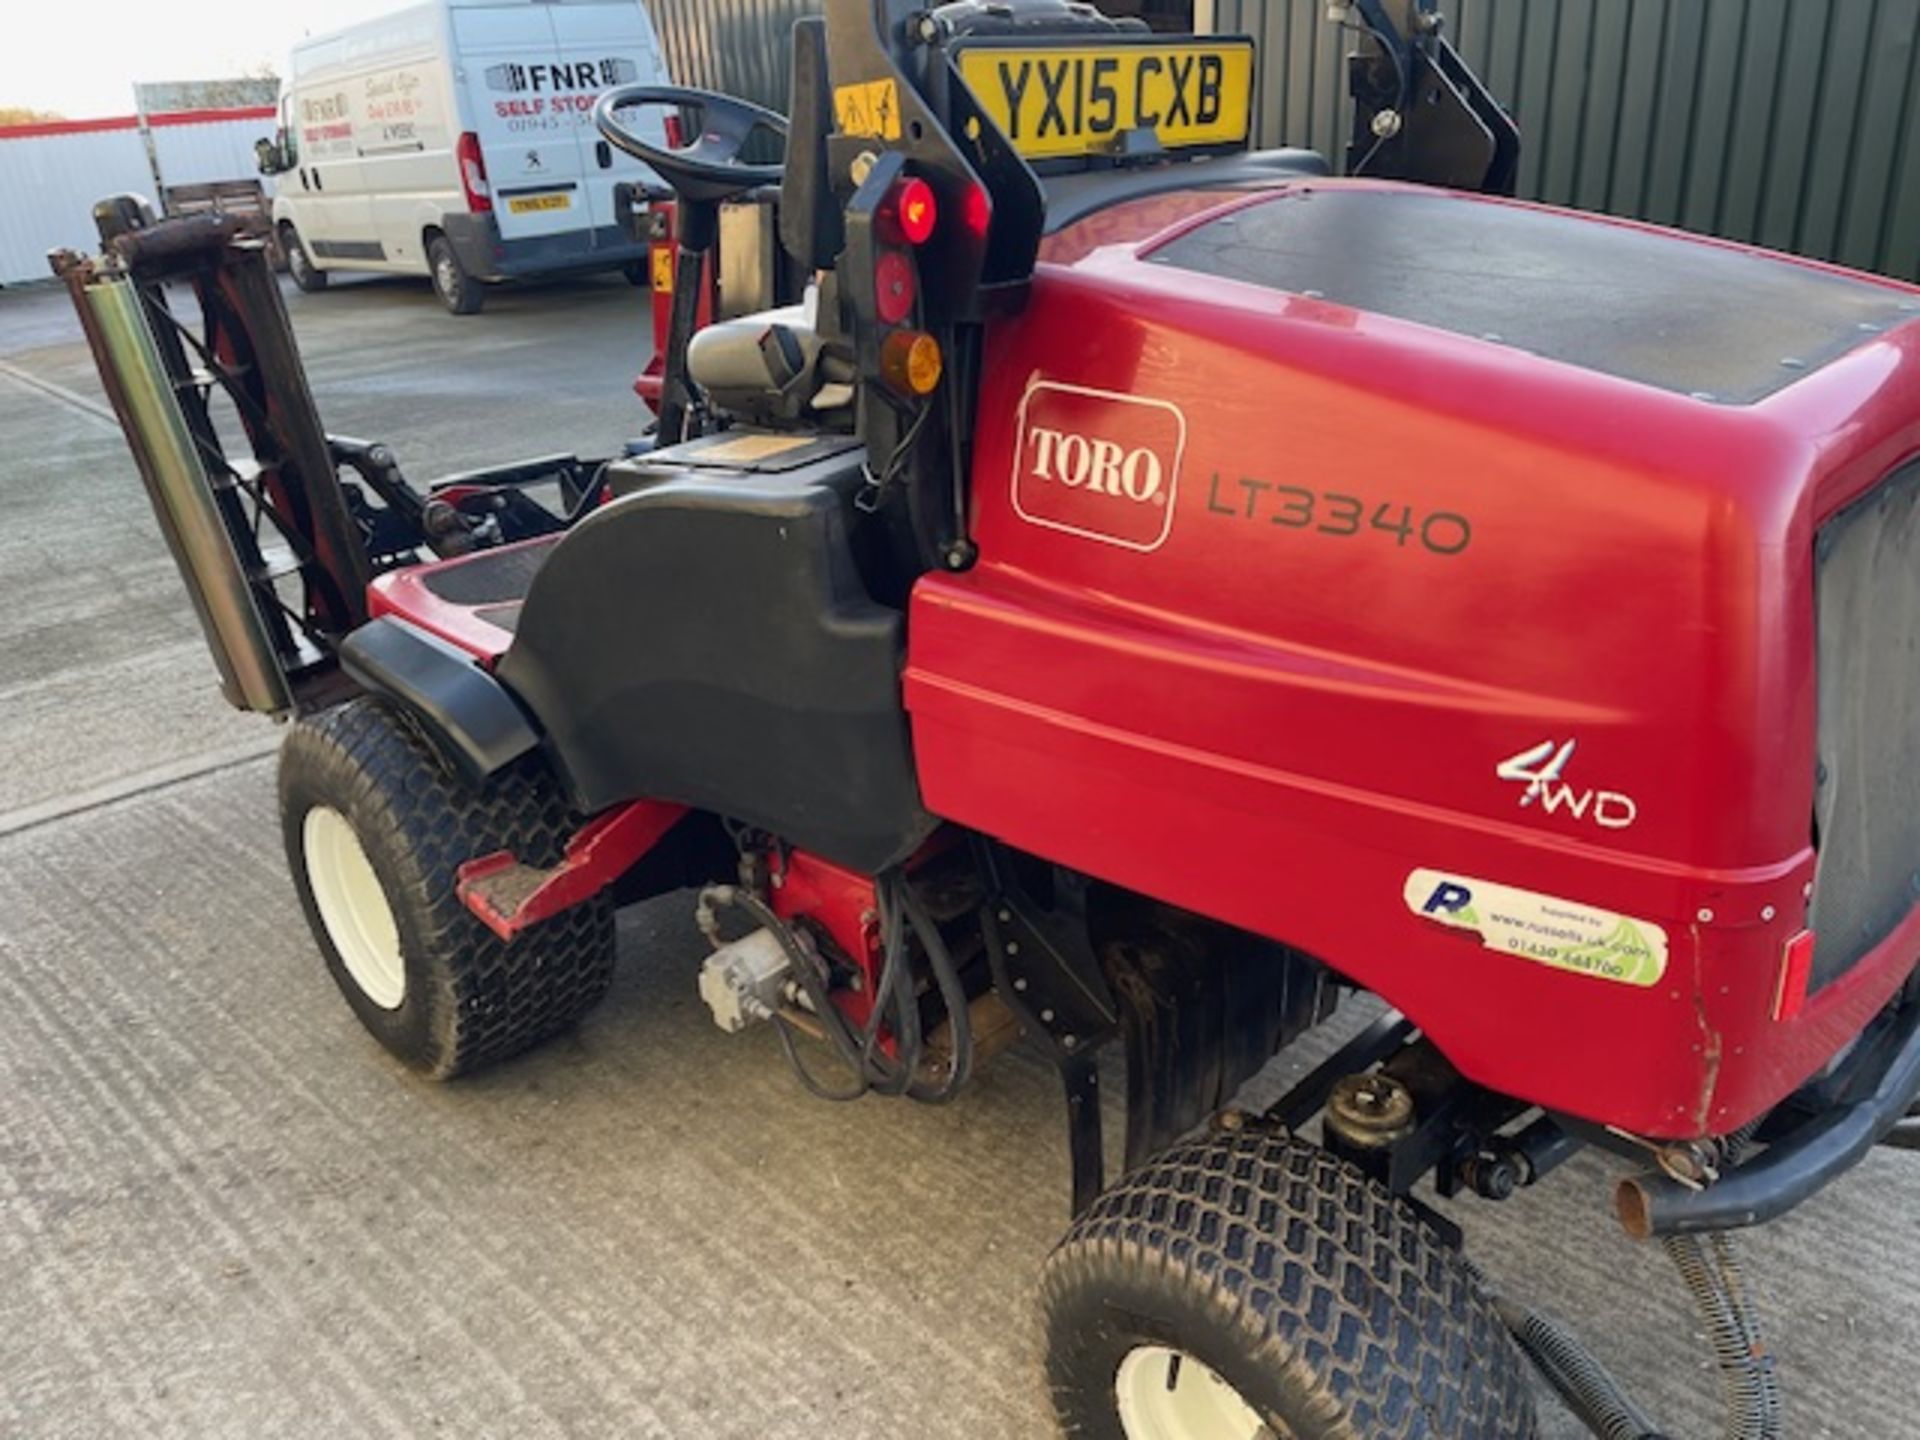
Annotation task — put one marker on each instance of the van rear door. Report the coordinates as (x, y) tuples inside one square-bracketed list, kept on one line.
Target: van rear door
[(609, 42), (514, 79)]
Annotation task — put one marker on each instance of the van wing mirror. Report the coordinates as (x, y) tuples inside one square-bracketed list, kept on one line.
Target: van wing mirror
[(271, 156)]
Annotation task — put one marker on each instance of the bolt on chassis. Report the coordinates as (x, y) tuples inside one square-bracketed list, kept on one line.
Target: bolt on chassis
[(1146, 591)]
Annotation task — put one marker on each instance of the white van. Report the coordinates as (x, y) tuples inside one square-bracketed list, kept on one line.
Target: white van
[(454, 139)]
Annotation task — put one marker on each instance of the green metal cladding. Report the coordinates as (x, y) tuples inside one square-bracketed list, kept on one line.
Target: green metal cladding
[(1791, 123)]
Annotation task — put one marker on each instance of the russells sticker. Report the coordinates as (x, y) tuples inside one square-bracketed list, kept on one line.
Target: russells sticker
[(1098, 464), (1542, 928)]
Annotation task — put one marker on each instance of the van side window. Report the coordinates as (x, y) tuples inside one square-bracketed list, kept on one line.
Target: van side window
[(289, 132)]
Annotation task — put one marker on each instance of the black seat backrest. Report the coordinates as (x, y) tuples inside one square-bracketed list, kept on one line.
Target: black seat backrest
[(811, 225)]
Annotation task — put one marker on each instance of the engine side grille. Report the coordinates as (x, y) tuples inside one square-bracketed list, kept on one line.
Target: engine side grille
[(1867, 795)]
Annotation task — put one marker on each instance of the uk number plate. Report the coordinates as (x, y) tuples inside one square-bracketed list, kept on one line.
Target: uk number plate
[(526, 204), (1054, 101)]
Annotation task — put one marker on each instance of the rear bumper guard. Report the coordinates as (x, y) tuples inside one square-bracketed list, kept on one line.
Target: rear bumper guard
[(1877, 1085)]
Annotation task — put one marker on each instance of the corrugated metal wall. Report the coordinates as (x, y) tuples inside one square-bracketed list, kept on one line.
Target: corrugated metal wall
[(1794, 123), (50, 175), (193, 152), (738, 47), (49, 184)]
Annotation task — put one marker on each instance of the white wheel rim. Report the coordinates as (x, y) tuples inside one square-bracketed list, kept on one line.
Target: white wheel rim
[(1164, 1394), (353, 907)]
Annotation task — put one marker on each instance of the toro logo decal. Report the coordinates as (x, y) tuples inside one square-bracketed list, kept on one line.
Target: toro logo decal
[(1098, 464)]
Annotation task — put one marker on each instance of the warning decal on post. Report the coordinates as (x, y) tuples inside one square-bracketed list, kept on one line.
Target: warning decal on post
[(870, 109), (1549, 931)]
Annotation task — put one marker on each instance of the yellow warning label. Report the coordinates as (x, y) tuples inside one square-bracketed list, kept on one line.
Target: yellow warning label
[(870, 108)]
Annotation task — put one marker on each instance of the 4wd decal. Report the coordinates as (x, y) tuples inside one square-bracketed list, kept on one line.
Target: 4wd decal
[(1098, 464), (1564, 934), (1540, 768)]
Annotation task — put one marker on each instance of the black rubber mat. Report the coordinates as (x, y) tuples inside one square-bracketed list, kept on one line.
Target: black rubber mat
[(1642, 305), (507, 617), (491, 577)]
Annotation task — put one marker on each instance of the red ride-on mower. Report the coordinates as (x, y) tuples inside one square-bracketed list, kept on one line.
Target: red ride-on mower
[(1147, 591)]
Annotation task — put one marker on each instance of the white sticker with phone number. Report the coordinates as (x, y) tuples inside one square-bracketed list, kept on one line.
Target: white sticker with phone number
[(1564, 934)]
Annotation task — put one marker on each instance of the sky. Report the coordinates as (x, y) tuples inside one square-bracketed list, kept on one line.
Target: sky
[(82, 62)]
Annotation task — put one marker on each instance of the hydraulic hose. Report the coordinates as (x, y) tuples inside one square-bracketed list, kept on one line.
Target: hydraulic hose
[(1733, 1279), (1709, 1267), (895, 998), (894, 994), (1576, 1375), (832, 1023), (953, 995), (1711, 1273)]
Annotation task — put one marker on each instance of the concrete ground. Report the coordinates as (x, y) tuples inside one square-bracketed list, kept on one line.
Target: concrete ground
[(224, 1213)]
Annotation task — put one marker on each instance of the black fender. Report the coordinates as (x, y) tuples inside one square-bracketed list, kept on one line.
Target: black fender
[(471, 717)]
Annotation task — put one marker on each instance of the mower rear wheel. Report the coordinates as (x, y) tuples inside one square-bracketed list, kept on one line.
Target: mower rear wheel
[(376, 827), (1253, 1287)]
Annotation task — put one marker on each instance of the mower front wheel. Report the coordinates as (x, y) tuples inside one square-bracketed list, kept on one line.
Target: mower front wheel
[(1251, 1286), (376, 826)]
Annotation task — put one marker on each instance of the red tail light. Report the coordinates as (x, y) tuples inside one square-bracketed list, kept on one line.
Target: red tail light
[(909, 212), (473, 174), (893, 286), (978, 210)]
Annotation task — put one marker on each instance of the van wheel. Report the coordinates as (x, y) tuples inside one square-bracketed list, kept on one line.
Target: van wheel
[(458, 291), (639, 274), (1251, 1285), (300, 264), (376, 827)]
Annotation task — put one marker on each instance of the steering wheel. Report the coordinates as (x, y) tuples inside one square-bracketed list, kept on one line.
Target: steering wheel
[(709, 166)]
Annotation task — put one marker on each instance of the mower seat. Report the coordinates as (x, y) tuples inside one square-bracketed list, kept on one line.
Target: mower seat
[(767, 368)]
